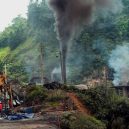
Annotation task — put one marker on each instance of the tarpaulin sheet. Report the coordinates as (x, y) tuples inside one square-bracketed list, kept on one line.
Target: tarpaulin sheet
[(20, 116)]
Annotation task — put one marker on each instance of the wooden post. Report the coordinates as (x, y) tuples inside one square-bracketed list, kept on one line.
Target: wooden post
[(5, 72), (41, 63), (11, 96), (63, 52), (7, 90), (105, 75), (5, 100), (61, 66), (5, 87)]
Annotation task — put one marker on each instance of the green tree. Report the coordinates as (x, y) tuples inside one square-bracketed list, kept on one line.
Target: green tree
[(15, 34)]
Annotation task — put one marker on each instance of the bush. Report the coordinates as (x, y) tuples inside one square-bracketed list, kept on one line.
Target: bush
[(86, 122), (80, 121), (36, 93), (107, 106), (100, 100), (66, 120), (118, 123), (71, 88), (119, 115), (56, 95)]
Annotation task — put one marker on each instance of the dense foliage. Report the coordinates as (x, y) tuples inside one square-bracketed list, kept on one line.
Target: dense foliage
[(56, 95), (36, 94), (20, 49), (107, 106), (15, 34), (79, 121), (89, 52)]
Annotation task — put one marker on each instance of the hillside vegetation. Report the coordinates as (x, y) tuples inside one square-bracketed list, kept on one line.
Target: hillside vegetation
[(20, 44)]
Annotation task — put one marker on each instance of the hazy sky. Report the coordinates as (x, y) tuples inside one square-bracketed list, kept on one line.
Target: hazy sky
[(9, 9)]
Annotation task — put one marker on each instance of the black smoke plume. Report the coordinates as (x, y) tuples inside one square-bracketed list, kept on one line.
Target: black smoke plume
[(71, 15)]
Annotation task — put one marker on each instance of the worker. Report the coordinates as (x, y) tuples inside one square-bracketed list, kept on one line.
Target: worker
[(1, 108), (2, 80)]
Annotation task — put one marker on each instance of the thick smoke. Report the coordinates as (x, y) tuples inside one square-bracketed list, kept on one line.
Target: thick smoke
[(56, 74), (72, 14), (31, 61), (119, 61)]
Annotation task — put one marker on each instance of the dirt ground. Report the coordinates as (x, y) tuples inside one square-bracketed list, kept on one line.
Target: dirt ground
[(26, 125), (79, 105)]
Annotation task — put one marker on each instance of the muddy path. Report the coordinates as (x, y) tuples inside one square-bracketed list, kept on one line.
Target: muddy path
[(26, 125), (78, 104)]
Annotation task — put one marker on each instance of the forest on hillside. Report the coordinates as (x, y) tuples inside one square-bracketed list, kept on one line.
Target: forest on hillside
[(85, 41), (26, 40)]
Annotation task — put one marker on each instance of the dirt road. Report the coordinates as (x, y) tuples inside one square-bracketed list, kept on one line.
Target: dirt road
[(80, 107), (25, 125)]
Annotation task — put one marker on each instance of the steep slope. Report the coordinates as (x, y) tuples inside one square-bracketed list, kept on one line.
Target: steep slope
[(25, 51), (79, 105)]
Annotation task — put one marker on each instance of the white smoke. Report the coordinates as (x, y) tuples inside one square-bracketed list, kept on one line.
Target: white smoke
[(56, 74), (56, 70), (113, 7), (119, 61)]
